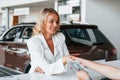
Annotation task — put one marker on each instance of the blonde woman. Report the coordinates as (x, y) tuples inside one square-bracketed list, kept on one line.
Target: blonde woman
[(47, 48)]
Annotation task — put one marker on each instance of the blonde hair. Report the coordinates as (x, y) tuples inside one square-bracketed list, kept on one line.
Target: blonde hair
[(39, 27)]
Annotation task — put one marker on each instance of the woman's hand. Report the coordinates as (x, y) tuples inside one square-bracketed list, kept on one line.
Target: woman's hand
[(79, 59), (38, 69), (67, 58)]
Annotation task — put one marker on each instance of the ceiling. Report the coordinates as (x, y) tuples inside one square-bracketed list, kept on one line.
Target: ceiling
[(48, 3)]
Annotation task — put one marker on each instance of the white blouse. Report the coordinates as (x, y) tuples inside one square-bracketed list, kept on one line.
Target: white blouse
[(41, 56)]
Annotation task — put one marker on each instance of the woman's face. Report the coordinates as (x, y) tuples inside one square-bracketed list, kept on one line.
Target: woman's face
[(51, 24)]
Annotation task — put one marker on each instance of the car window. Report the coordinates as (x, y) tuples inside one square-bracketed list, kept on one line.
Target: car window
[(80, 36), (10, 36), (27, 33), (100, 38), (79, 33)]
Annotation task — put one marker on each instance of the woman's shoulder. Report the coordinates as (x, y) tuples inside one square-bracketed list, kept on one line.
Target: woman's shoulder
[(34, 38)]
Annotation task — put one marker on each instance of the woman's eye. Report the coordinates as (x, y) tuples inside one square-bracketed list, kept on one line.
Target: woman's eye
[(51, 21), (57, 22)]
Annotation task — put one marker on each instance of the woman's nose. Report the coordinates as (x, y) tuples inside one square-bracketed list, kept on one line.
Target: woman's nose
[(55, 24)]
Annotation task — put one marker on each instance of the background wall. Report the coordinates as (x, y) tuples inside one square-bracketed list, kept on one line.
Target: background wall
[(31, 17), (106, 14)]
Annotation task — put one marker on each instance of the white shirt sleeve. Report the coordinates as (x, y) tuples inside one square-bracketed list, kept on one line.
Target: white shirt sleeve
[(38, 59)]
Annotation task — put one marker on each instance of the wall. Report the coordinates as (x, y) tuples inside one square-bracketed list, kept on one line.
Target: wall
[(33, 14), (31, 17), (106, 14)]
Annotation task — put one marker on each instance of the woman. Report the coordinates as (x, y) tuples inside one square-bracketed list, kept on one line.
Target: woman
[(107, 70), (47, 48)]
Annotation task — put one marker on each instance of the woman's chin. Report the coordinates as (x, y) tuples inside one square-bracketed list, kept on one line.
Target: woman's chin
[(53, 32)]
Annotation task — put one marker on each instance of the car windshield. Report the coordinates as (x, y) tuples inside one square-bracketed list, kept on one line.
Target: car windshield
[(15, 32)]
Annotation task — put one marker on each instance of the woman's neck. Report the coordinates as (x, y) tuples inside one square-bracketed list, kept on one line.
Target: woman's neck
[(47, 36)]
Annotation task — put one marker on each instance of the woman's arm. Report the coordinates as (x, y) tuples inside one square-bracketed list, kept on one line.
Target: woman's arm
[(107, 70), (82, 75)]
